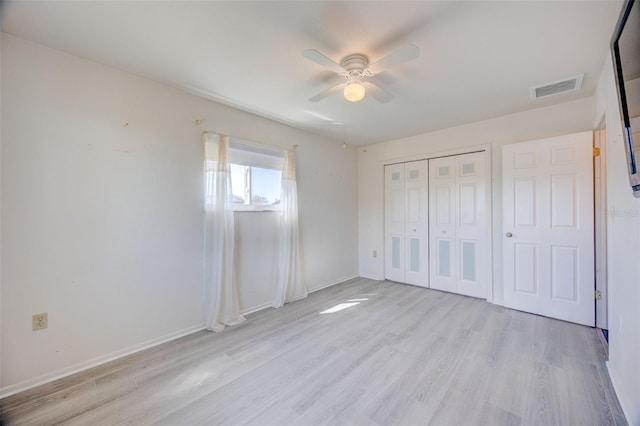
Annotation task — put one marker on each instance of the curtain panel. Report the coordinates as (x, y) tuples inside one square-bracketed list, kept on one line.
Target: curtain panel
[(289, 285), (220, 293)]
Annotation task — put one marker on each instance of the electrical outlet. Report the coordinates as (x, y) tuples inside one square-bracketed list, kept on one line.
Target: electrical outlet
[(40, 321), (375, 253)]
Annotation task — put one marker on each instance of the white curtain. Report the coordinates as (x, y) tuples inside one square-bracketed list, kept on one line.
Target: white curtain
[(220, 294), (289, 285)]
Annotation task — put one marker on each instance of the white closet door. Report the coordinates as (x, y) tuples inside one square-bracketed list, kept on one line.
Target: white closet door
[(442, 223), (459, 237), (406, 223), (417, 222), (394, 258), (548, 227), (472, 238)]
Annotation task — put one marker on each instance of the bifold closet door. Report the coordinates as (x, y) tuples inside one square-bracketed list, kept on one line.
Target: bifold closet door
[(406, 223), (394, 238), (458, 225)]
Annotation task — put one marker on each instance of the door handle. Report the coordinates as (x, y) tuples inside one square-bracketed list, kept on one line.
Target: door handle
[(509, 234)]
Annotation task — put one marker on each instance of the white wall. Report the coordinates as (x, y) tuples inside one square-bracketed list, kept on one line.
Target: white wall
[(102, 222), (1, 336), (623, 273), (569, 117)]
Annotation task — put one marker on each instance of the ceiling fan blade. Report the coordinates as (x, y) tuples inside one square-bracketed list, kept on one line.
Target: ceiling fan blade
[(330, 91), (404, 54), (319, 58), (377, 93)]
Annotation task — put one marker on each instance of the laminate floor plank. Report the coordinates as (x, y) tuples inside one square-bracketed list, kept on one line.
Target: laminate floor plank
[(206, 376), (583, 385), (492, 415), (362, 352), (76, 404), (440, 375), (612, 400), (392, 401), (546, 402), (513, 377), (466, 395)]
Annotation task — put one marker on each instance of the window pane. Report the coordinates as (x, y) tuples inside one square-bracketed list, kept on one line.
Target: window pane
[(209, 191), (238, 183), (265, 186)]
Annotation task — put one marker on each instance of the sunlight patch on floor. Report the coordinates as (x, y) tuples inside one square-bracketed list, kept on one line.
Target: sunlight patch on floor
[(350, 303), (339, 307)]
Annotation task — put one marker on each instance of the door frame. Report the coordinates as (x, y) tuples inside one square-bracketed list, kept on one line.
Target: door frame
[(489, 161), (600, 225)]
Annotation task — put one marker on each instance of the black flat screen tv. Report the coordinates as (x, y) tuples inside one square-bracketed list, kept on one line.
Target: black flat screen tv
[(625, 48)]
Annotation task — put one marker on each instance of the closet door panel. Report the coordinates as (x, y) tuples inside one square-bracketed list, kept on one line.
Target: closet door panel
[(394, 223), (417, 222), (472, 242), (442, 226)]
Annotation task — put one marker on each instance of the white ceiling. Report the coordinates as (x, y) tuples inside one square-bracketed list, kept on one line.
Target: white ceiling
[(478, 59)]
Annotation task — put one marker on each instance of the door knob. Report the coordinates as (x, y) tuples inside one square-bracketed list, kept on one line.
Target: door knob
[(509, 235)]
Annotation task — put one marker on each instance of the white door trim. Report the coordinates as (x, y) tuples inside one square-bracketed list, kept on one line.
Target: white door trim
[(600, 200)]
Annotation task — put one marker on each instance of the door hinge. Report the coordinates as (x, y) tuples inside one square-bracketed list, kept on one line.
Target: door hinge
[(596, 152), (598, 295)]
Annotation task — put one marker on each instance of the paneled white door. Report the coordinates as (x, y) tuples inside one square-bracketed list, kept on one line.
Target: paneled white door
[(416, 190), (406, 223), (548, 226), (459, 225), (394, 228)]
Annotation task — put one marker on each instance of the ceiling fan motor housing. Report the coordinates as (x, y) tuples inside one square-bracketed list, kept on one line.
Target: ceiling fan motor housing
[(356, 66), (355, 62)]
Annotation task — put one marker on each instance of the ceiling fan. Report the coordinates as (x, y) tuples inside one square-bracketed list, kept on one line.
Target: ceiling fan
[(359, 74)]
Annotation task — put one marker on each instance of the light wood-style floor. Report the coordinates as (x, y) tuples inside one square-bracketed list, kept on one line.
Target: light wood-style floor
[(402, 356)]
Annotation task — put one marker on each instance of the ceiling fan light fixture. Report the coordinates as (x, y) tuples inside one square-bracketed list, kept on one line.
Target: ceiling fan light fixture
[(354, 92)]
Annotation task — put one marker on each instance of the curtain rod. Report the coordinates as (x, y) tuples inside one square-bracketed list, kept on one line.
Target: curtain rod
[(252, 143)]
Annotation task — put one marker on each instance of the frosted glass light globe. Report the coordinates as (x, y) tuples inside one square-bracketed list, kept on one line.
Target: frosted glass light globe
[(354, 92)]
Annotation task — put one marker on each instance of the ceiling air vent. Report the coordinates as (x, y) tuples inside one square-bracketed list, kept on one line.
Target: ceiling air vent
[(556, 87)]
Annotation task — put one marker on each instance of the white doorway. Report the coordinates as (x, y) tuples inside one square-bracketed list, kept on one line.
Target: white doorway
[(406, 223), (459, 229), (548, 227)]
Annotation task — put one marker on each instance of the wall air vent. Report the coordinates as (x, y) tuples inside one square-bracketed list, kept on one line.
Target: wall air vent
[(556, 87)]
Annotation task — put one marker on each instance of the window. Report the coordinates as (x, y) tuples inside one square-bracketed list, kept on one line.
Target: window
[(255, 185), (256, 176)]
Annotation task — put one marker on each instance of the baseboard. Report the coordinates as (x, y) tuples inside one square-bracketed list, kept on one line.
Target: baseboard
[(377, 278), (615, 388), (603, 341), (256, 308), (332, 283), (67, 371)]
